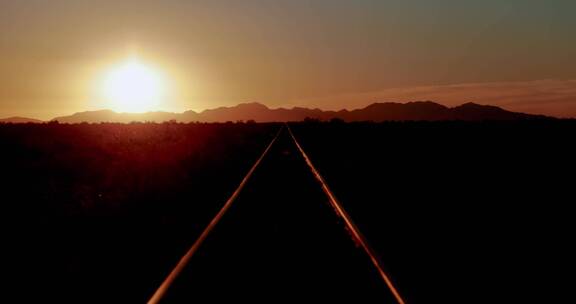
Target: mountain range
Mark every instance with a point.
(388, 111)
(17, 119)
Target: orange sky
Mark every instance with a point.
(325, 53)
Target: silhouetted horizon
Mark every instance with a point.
(259, 112)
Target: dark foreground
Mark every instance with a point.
(458, 212)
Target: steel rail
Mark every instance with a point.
(161, 291)
(357, 236)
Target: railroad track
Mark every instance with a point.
(282, 235)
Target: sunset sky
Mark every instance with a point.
(520, 54)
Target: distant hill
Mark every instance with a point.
(111, 116)
(388, 111)
(20, 120)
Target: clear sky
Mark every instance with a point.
(278, 52)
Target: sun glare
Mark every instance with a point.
(133, 87)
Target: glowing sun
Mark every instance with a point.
(133, 87)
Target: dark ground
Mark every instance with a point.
(459, 212)
(99, 213)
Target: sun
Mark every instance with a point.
(133, 86)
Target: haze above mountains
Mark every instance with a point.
(389, 111)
